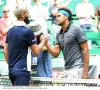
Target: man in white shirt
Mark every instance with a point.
(85, 12)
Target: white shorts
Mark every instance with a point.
(75, 73)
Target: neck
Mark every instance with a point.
(20, 20)
(65, 26)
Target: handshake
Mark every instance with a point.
(45, 38)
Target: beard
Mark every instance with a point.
(26, 20)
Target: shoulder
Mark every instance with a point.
(72, 26)
(76, 28)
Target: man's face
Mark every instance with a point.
(60, 18)
(6, 12)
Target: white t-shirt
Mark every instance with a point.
(85, 10)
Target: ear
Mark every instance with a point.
(66, 17)
(23, 15)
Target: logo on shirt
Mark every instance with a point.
(33, 40)
(83, 37)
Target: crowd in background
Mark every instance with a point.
(39, 13)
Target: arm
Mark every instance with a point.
(96, 18)
(6, 52)
(84, 47)
(36, 49)
(54, 51)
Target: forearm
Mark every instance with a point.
(41, 46)
(86, 61)
(96, 20)
(52, 50)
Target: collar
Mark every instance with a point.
(61, 31)
(20, 23)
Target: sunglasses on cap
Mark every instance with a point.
(5, 11)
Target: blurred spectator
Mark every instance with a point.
(39, 13)
(97, 17)
(54, 10)
(65, 3)
(43, 62)
(85, 12)
(6, 22)
(18, 2)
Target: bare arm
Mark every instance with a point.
(84, 47)
(6, 52)
(54, 51)
(96, 18)
(36, 49)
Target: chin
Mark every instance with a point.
(59, 24)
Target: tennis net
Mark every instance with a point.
(41, 81)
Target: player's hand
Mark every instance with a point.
(45, 37)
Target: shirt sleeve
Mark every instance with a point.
(31, 37)
(80, 35)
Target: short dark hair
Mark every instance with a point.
(68, 10)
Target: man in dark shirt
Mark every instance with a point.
(73, 43)
(19, 38)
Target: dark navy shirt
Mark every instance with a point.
(19, 38)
